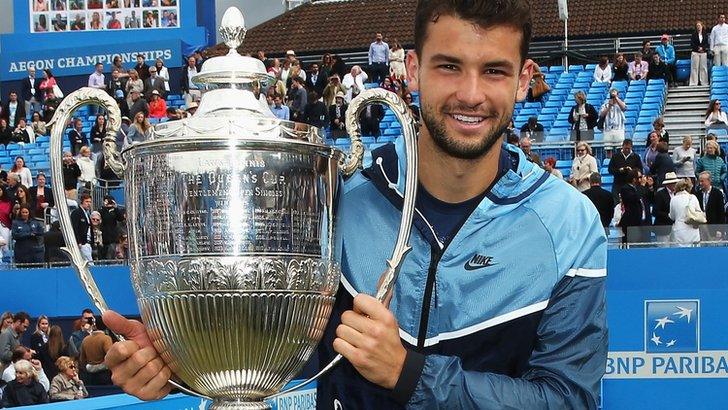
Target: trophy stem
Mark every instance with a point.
(226, 404)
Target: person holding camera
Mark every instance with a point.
(612, 118)
(111, 216)
(71, 173)
(86, 325)
(684, 158)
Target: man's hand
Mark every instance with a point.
(368, 337)
(135, 365)
(36, 364)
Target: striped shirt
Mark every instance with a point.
(615, 117)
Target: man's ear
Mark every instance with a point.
(524, 79)
(413, 66)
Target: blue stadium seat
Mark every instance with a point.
(576, 68)
(556, 69)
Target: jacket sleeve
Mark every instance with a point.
(569, 357)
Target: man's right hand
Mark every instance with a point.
(135, 365)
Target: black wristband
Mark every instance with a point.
(411, 370)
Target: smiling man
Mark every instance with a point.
(472, 322)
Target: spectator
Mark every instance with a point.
(532, 128)
(66, 385)
(154, 83)
(315, 111)
(379, 59)
(141, 67)
(715, 117)
(53, 241)
(414, 109)
(49, 86)
(354, 82)
(538, 87)
(77, 137)
(658, 70)
(111, 217)
(337, 116)
(712, 137)
(583, 117)
(157, 106)
(19, 168)
(98, 132)
(39, 340)
(13, 110)
(23, 353)
(549, 164)
(190, 91)
(117, 85)
(25, 389)
(684, 234)
(162, 73)
(387, 85)
(280, 110)
(13, 183)
(71, 173)
(658, 125)
(86, 325)
(93, 351)
(634, 206)
(601, 198)
(22, 198)
(133, 83)
(81, 223)
(647, 51)
(31, 92)
(684, 158)
(711, 200)
(6, 208)
(28, 236)
(285, 72)
(661, 207)
(370, 118)
(22, 134)
(96, 79)
(338, 66)
(638, 68)
(712, 163)
(612, 116)
(603, 71)
(525, 145)
(316, 81)
(298, 99)
(38, 125)
(296, 71)
(6, 320)
(719, 42)
(57, 347)
(139, 104)
(49, 106)
(667, 55)
(620, 69)
(10, 337)
(327, 64)
(88, 169)
(583, 166)
(6, 133)
(116, 65)
(122, 247)
(139, 130)
(700, 44)
(620, 164)
(663, 163)
(396, 61)
(333, 88)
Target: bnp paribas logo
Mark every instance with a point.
(671, 334)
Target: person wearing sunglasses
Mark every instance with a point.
(67, 385)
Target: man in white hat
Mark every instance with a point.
(661, 208)
(192, 108)
(337, 116)
(290, 55)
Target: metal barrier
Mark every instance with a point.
(102, 188)
(664, 236)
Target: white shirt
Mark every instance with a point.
(349, 82)
(719, 35)
(684, 169)
(191, 72)
(25, 177)
(12, 109)
(713, 117)
(603, 75)
(9, 375)
(88, 169)
(97, 80)
(164, 73)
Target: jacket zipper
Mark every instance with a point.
(427, 298)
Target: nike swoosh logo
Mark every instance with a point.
(470, 266)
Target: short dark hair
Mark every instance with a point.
(627, 141)
(21, 317)
(595, 178)
(87, 310)
(84, 196)
(484, 13)
(662, 147)
(18, 353)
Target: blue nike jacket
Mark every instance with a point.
(510, 314)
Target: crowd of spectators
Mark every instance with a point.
(51, 368)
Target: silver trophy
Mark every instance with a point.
(231, 219)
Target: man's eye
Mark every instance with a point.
(448, 67)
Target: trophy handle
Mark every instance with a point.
(351, 163)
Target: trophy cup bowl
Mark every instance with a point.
(231, 217)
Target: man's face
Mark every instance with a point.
(134, 95)
(704, 182)
(21, 327)
(277, 102)
(637, 59)
(664, 41)
(721, 19)
(140, 59)
(153, 73)
(314, 68)
(378, 37)
(191, 62)
(656, 58)
(469, 77)
(27, 355)
(526, 146)
(31, 72)
(626, 149)
(115, 74)
(86, 204)
(13, 97)
(99, 68)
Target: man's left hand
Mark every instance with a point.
(368, 337)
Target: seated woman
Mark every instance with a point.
(25, 389)
(66, 385)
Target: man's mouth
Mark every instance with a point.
(467, 119)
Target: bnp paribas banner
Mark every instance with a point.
(81, 60)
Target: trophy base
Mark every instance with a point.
(224, 404)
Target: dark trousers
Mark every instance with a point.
(379, 72)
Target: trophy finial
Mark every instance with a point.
(232, 28)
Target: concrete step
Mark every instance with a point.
(681, 115)
(680, 107)
(705, 93)
(688, 100)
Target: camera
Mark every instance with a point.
(90, 320)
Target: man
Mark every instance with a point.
(499, 330)
(633, 205)
(583, 118)
(532, 128)
(190, 90)
(315, 81)
(601, 198)
(379, 59)
(13, 184)
(661, 208)
(93, 349)
(712, 202)
(315, 111)
(10, 337)
(117, 85)
(719, 42)
(98, 81)
(666, 52)
(658, 69)
(23, 353)
(370, 117)
(297, 99)
(333, 88)
(612, 117)
(637, 69)
(141, 67)
(337, 116)
(620, 164)
(525, 144)
(85, 326)
(77, 137)
(31, 93)
(154, 83)
(81, 223)
(354, 82)
(13, 110)
(279, 109)
(111, 217)
(138, 104)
